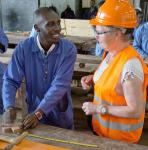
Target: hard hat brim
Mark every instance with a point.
(116, 13)
(93, 22)
(96, 21)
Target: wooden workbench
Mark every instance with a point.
(74, 136)
(15, 38)
(91, 63)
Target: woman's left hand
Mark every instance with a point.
(89, 108)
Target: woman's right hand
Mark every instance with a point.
(87, 81)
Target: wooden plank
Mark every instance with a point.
(78, 137)
(63, 134)
(91, 62)
(89, 68)
(8, 53)
(70, 27)
(81, 58)
(75, 27)
(5, 60)
(29, 145)
(88, 59)
(85, 3)
(78, 72)
(79, 41)
(15, 38)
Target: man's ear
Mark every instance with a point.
(36, 28)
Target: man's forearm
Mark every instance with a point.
(52, 97)
(8, 94)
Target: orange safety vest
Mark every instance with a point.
(117, 128)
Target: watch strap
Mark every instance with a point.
(38, 115)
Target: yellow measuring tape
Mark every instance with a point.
(63, 141)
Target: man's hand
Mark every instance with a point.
(30, 121)
(87, 81)
(9, 116)
(2, 47)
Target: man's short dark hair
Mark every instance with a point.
(42, 11)
(53, 8)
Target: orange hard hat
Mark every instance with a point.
(119, 13)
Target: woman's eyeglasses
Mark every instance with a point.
(100, 33)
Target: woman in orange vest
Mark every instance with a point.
(118, 107)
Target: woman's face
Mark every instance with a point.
(105, 36)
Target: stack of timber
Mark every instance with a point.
(77, 31)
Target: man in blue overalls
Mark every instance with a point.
(46, 61)
(3, 48)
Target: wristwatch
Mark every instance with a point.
(102, 109)
(39, 115)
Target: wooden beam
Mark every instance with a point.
(75, 27)
(88, 59)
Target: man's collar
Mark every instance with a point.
(36, 48)
(41, 48)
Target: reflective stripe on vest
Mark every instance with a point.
(118, 126)
(115, 125)
(101, 101)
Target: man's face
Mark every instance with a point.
(50, 28)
